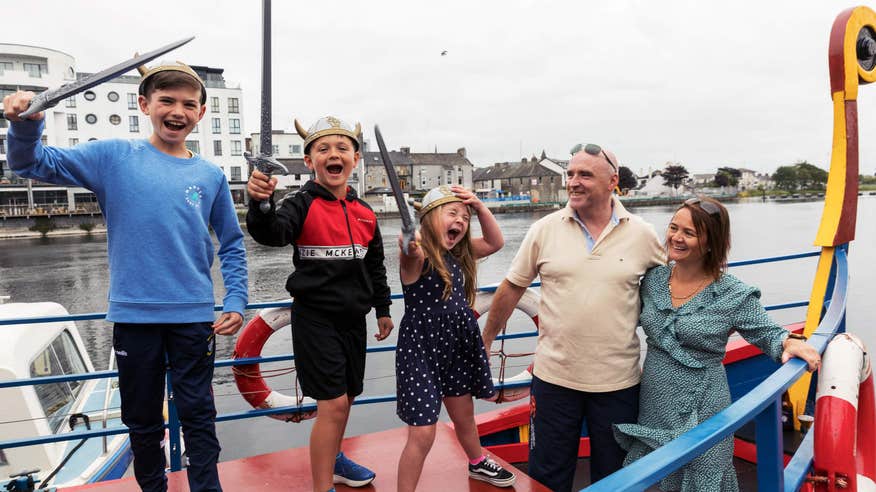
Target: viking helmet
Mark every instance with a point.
(434, 199)
(179, 66)
(328, 125)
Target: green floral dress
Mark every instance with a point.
(683, 379)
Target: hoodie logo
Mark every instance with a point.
(194, 195)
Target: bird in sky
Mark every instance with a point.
(443, 52)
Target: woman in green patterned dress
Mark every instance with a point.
(689, 309)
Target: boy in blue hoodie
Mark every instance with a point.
(159, 201)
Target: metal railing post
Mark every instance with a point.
(768, 436)
(173, 427)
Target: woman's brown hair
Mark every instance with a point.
(433, 249)
(711, 219)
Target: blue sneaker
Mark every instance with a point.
(351, 473)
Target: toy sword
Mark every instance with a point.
(408, 228)
(52, 97)
(263, 160)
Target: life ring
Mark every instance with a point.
(249, 378)
(845, 418)
(528, 304)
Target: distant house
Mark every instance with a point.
(418, 172)
(701, 180)
(751, 179)
(543, 180)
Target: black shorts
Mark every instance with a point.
(329, 354)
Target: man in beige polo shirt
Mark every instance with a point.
(590, 257)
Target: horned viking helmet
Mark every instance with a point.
(328, 125)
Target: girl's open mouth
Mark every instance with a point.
(334, 168)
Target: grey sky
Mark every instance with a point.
(738, 83)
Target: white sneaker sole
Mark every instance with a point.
(351, 483)
(498, 483)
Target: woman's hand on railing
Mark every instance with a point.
(795, 347)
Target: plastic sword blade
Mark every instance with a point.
(263, 160)
(52, 97)
(408, 228)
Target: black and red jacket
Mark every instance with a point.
(338, 257)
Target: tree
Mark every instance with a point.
(809, 176)
(727, 176)
(785, 178)
(674, 176)
(626, 180)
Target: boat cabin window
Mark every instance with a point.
(60, 358)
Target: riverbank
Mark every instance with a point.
(20, 233)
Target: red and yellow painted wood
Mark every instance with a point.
(841, 198)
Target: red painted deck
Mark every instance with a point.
(289, 470)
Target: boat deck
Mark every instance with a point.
(289, 470)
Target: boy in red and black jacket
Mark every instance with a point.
(339, 276)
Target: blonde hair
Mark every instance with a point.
(433, 249)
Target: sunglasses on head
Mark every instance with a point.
(593, 149)
(709, 207)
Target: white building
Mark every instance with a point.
(110, 110)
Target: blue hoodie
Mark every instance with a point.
(159, 210)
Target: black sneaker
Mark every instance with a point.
(491, 472)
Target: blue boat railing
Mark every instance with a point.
(762, 404)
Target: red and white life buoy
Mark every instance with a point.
(845, 418)
(249, 378)
(528, 304)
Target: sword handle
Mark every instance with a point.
(40, 102)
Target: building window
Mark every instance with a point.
(89, 95)
(275, 150)
(113, 96)
(234, 126)
(2, 145)
(134, 124)
(73, 141)
(90, 118)
(132, 100)
(3, 122)
(5, 92)
(115, 119)
(449, 177)
(235, 173)
(296, 149)
(233, 105)
(236, 147)
(214, 104)
(194, 146)
(217, 124)
(35, 69)
(70, 102)
(71, 122)
(5, 66)
(459, 179)
(217, 147)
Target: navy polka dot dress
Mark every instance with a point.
(440, 351)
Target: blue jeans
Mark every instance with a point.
(144, 353)
(555, 420)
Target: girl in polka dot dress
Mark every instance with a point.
(440, 355)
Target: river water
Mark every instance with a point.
(73, 272)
